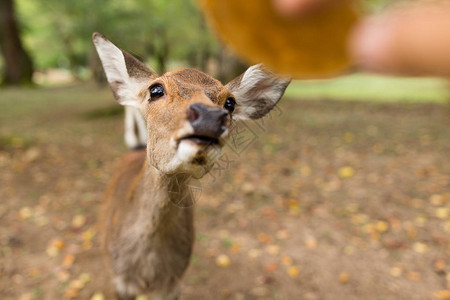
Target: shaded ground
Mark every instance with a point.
(322, 200)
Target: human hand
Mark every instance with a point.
(410, 39)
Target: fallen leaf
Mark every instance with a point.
(41, 220)
(349, 137)
(437, 200)
(411, 231)
(247, 188)
(420, 247)
(76, 284)
(421, 220)
(359, 219)
(87, 245)
(311, 242)
(396, 272)
(446, 226)
(25, 213)
(294, 207)
(293, 271)
(271, 267)
(414, 276)
(235, 248)
(71, 293)
(33, 272)
(442, 212)
(223, 261)
(68, 260)
(378, 148)
(346, 172)
(382, 226)
(264, 238)
(98, 296)
(286, 260)
(84, 278)
(305, 171)
(282, 234)
(439, 265)
(55, 246)
(78, 221)
(254, 253)
(270, 213)
(442, 294)
(344, 277)
(62, 276)
(273, 249)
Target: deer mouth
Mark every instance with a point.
(198, 150)
(200, 140)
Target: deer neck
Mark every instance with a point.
(160, 199)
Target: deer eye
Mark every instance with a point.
(229, 104)
(156, 91)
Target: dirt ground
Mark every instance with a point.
(321, 200)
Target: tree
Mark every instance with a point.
(18, 66)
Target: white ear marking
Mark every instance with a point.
(112, 59)
(126, 75)
(257, 91)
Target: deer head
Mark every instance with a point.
(188, 113)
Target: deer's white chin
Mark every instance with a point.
(194, 158)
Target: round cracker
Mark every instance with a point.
(312, 46)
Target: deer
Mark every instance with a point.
(176, 124)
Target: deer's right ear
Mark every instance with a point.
(126, 75)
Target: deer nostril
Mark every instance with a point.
(192, 114)
(207, 121)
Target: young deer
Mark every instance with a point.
(187, 116)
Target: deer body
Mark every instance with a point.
(186, 116)
(148, 237)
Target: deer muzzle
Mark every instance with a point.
(208, 123)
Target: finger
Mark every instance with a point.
(296, 8)
(409, 41)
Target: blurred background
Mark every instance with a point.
(343, 192)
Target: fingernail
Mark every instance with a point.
(292, 8)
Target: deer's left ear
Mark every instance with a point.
(126, 75)
(257, 91)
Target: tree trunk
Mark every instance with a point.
(162, 55)
(18, 65)
(230, 65)
(204, 51)
(96, 68)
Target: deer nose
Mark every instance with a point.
(207, 121)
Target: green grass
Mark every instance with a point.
(367, 87)
(18, 102)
